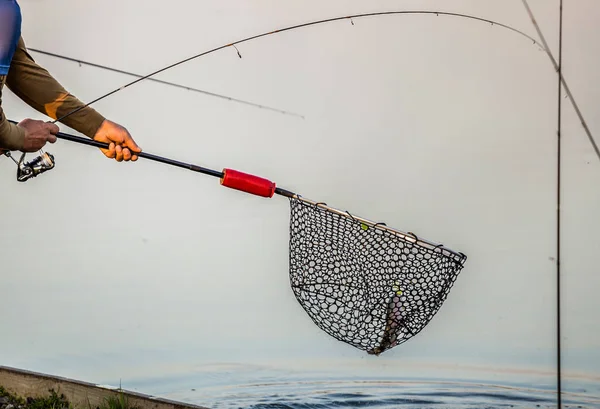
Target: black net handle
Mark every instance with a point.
(229, 177)
(263, 187)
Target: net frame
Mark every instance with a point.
(380, 286)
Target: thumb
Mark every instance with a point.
(130, 143)
(52, 128)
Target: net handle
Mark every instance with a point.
(265, 188)
(228, 177)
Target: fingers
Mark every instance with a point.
(110, 152)
(130, 143)
(37, 134)
(119, 153)
(126, 154)
(52, 128)
(123, 147)
(130, 147)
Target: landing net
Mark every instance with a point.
(363, 283)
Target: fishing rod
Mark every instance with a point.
(294, 27)
(350, 17)
(365, 284)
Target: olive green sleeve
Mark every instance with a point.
(11, 136)
(36, 87)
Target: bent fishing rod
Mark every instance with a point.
(295, 27)
(351, 17)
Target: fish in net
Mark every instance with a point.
(363, 283)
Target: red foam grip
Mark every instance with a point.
(248, 183)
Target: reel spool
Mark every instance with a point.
(27, 170)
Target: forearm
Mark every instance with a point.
(36, 87)
(11, 136)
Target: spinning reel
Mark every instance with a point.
(27, 170)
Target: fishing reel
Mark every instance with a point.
(27, 170)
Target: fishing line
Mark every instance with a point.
(164, 82)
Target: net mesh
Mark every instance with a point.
(363, 284)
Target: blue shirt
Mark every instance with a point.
(10, 32)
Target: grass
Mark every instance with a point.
(53, 401)
(56, 401)
(117, 402)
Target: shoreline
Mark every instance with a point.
(28, 385)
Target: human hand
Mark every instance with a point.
(122, 146)
(37, 133)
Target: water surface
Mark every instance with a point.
(254, 387)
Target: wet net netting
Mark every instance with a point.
(363, 283)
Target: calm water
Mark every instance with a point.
(248, 387)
